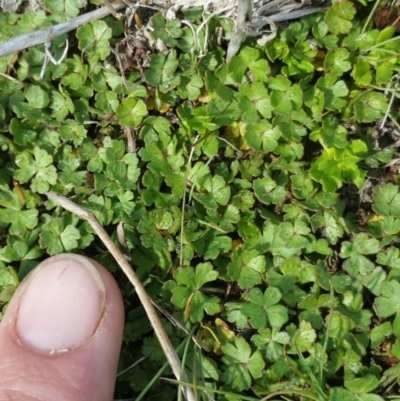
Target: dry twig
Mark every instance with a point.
(250, 18)
(47, 35)
(162, 336)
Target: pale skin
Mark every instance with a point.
(84, 373)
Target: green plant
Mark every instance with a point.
(248, 191)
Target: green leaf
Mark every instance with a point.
(247, 267)
(68, 7)
(157, 159)
(249, 57)
(285, 97)
(214, 85)
(337, 165)
(341, 394)
(339, 17)
(305, 336)
(76, 75)
(388, 303)
(331, 223)
(289, 239)
(210, 146)
(362, 385)
(384, 72)
(272, 342)
(389, 258)
(214, 191)
(211, 244)
(370, 106)
(131, 112)
(94, 39)
(152, 349)
(101, 208)
(58, 236)
(62, 105)
(380, 333)
(390, 225)
(70, 237)
(362, 73)
(262, 136)
(267, 191)
(335, 91)
(166, 220)
(162, 71)
(373, 281)
(362, 244)
(72, 131)
(12, 213)
(107, 101)
(203, 274)
(8, 276)
(153, 127)
(36, 96)
(167, 31)
(263, 307)
(224, 113)
(190, 88)
(337, 61)
(187, 295)
(240, 364)
(201, 302)
(39, 169)
(196, 120)
(252, 99)
(387, 200)
(332, 134)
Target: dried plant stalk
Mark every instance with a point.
(277, 11)
(162, 336)
(27, 40)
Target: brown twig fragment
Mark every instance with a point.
(162, 336)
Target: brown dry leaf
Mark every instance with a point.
(386, 17)
(133, 54)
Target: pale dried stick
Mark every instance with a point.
(46, 35)
(244, 11)
(162, 336)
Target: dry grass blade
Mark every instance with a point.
(162, 336)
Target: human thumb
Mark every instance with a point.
(61, 334)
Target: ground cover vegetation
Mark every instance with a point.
(259, 199)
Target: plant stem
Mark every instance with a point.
(162, 336)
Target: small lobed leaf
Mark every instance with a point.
(94, 39)
(388, 303)
(131, 112)
(339, 17)
(241, 363)
(387, 200)
(370, 106)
